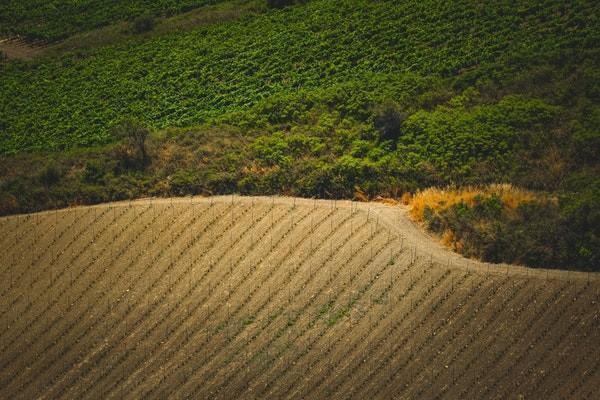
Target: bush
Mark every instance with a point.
(388, 121)
(94, 172)
(283, 3)
(132, 153)
(537, 233)
(50, 175)
(143, 24)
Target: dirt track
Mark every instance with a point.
(234, 297)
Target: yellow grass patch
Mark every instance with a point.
(386, 200)
(440, 199)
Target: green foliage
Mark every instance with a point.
(388, 121)
(52, 20)
(563, 234)
(473, 145)
(320, 49)
(94, 172)
(50, 175)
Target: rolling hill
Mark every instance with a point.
(257, 297)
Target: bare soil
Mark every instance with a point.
(239, 297)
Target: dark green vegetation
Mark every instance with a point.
(51, 20)
(559, 233)
(328, 99)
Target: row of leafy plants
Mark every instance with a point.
(193, 77)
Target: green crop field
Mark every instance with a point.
(189, 78)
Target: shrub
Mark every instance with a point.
(143, 24)
(94, 172)
(388, 121)
(50, 175)
(283, 3)
(132, 153)
(516, 227)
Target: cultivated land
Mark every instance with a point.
(240, 297)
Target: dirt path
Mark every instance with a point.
(396, 219)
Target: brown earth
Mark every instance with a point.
(240, 297)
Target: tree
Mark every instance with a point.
(143, 24)
(133, 135)
(388, 121)
(283, 3)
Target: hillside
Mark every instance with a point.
(187, 78)
(241, 297)
(52, 20)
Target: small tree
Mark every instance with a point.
(283, 3)
(388, 121)
(143, 24)
(133, 135)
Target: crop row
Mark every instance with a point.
(395, 348)
(469, 381)
(54, 260)
(215, 70)
(373, 278)
(455, 343)
(497, 307)
(377, 345)
(52, 284)
(550, 383)
(465, 344)
(13, 235)
(548, 328)
(76, 319)
(569, 332)
(69, 289)
(180, 279)
(53, 20)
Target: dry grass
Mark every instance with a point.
(440, 199)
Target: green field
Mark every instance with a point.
(189, 78)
